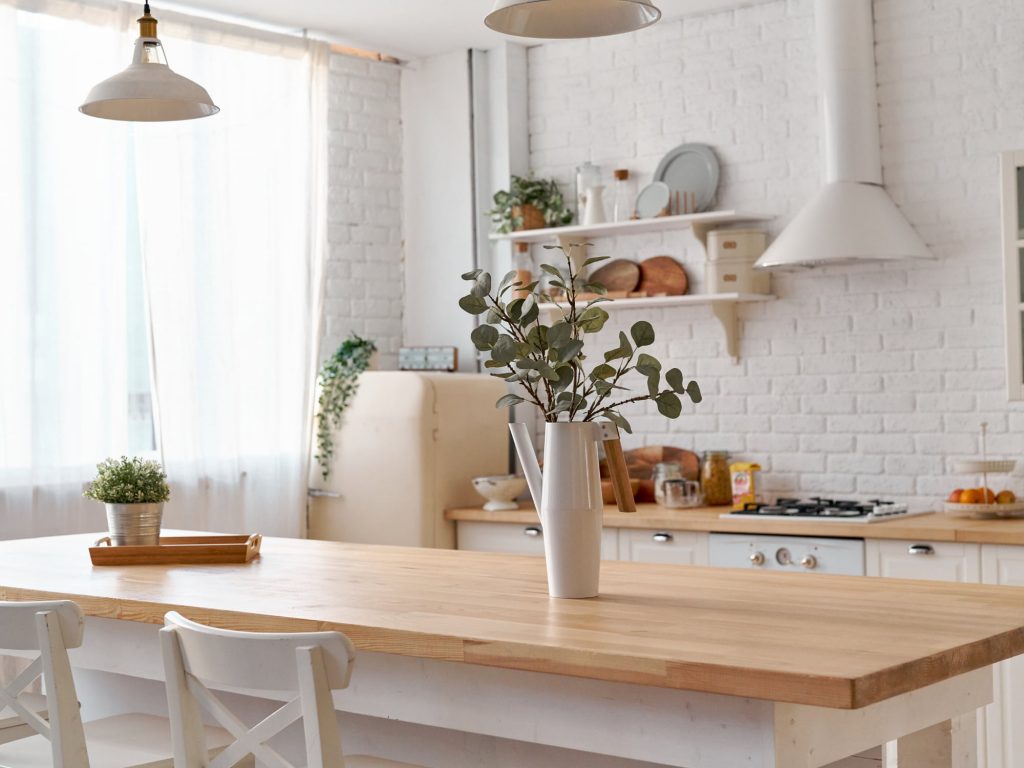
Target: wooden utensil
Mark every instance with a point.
(617, 275)
(663, 276)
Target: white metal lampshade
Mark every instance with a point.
(148, 91)
(556, 19)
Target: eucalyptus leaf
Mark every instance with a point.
(693, 390)
(473, 304)
(569, 350)
(595, 288)
(565, 378)
(647, 365)
(553, 271)
(559, 332)
(473, 274)
(642, 333)
(482, 286)
(653, 383)
(595, 260)
(602, 371)
(504, 350)
(509, 400)
(592, 319)
(669, 404)
(619, 421)
(484, 336)
(674, 378)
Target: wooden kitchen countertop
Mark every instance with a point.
(832, 641)
(931, 527)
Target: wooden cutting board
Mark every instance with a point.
(617, 275)
(663, 275)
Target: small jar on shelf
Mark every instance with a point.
(522, 264)
(715, 479)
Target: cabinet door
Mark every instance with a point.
(680, 547)
(930, 560)
(1004, 565)
(519, 539)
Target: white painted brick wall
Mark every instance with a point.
(861, 379)
(364, 262)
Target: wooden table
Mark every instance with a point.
(673, 665)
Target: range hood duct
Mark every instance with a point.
(851, 218)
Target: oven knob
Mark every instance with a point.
(757, 558)
(809, 562)
(782, 556)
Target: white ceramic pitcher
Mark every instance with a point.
(568, 498)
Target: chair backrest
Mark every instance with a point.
(308, 665)
(50, 627)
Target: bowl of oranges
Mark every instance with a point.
(983, 503)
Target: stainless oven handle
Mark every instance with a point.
(920, 549)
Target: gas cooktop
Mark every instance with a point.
(817, 508)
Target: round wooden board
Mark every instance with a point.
(640, 463)
(663, 275)
(617, 275)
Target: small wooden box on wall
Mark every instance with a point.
(428, 359)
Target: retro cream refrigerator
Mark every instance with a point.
(409, 445)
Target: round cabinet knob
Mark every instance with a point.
(757, 558)
(783, 557)
(531, 530)
(809, 562)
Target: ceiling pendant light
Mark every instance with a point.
(570, 18)
(148, 91)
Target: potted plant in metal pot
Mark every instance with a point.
(134, 491)
(529, 204)
(579, 393)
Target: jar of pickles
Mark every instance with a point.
(714, 478)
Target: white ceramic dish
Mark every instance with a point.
(499, 490)
(652, 200)
(691, 168)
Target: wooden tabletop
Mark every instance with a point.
(833, 641)
(930, 527)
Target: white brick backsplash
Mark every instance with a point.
(364, 266)
(882, 370)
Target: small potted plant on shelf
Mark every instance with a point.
(134, 491)
(580, 399)
(529, 204)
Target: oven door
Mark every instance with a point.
(807, 554)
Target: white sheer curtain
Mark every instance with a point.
(233, 251)
(65, 246)
(227, 215)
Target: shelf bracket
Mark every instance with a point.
(725, 311)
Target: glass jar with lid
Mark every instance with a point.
(714, 478)
(666, 470)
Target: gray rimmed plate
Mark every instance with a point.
(691, 168)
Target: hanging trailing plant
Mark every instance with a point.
(339, 381)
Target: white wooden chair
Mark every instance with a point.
(123, 741)
(307, 664)
(11, 725)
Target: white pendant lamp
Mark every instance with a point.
(148, 91)
(558, 19)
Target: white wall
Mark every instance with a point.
(438, 210)
(857, 380)
(364, 263)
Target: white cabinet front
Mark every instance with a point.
(517, 539)
(929, 560)
(1005, 566)
(678, 547)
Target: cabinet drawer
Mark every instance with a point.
(929, 560)
(517, 539)
(663, 546)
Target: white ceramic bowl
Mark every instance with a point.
(499, 490)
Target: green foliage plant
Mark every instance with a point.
(339, 381)
(549, 362)
(543, 194)
(129, 481)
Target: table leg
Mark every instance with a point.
(949, 744)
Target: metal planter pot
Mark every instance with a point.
(135, 524)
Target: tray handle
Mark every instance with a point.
(105, 540)
(252, 545)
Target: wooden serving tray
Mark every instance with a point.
(186, 550)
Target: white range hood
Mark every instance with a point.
(851, 218)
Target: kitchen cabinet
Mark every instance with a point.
(1005, 717)
(517, 539)
(929, 560)
(678, 547)
(1013, 267)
